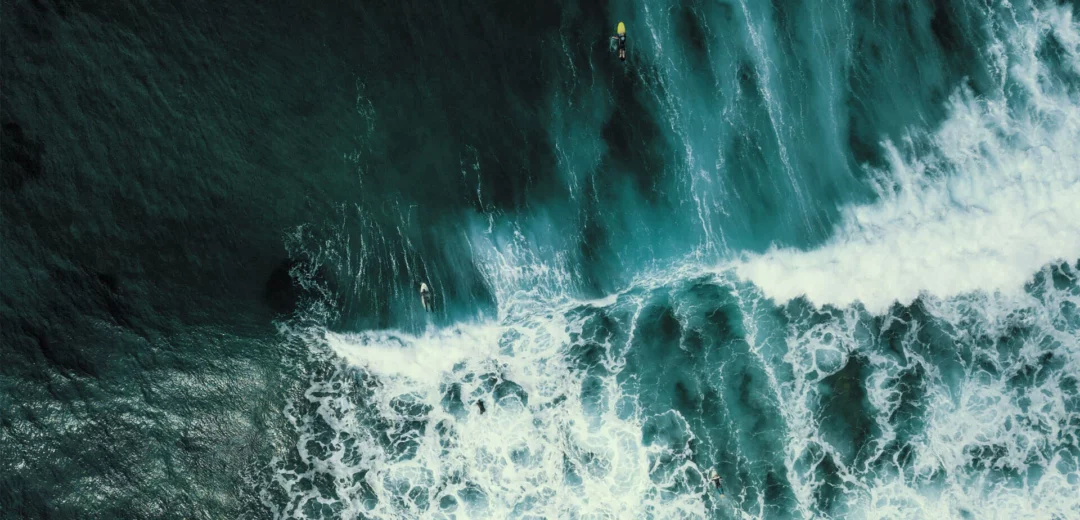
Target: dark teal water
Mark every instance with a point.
(828, 249)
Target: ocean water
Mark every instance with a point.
(829, 249)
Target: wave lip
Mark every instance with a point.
(996, 199)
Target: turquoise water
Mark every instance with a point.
(829, 250)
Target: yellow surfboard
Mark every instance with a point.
(622, 29)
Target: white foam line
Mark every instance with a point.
(997, 199)
(419, 358)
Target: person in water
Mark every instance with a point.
(425, 297)
(480, 405)
(715, 479)
(621, 39)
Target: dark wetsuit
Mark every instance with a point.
(622, 46)
(718, 482)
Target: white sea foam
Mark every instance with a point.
(997, 443)
(997, 201)
(997, 198)
(512, 461)
(420, 359)
(386, 430)
(994, 440)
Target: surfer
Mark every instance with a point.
(480, 405)
(620, 37)
(425, 297)
(715, 479)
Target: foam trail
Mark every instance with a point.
(393, 430)
(391, 427)
(383, 352)
(996, 443)
(537, 450)
(962, 405)
(993, 202)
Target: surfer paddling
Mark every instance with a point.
(620, 38)
(715, 479)
(425, 297)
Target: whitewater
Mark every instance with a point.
(921, 361)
